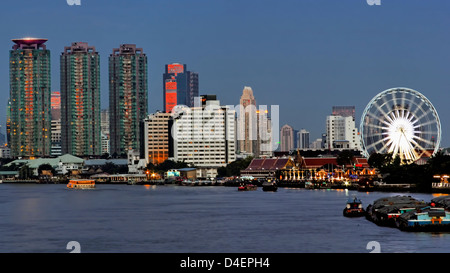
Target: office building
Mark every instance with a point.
(55, 149)
(30, 104)
(303, 139)
(128, 98)
(344, 111)
(342, 133)
(180, 86)
(80, 100)
(156, 138)
(104, 125)
(204, 135)
(247, 123)
(286, 138)
(56, 105)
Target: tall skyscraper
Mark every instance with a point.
(286, 138)
(247, 121)
(128, 97)
(30, 85)
(180, 86)
(80, 100)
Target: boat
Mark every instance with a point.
(385, 211)
(425, 219)
(269, 185)
(131, 182)
(354, 208)
(81, 184)
(247, 187)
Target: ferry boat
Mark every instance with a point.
(354, 208)
(81, 184)
(247, 187)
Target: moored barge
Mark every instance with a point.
(385, 211)
(425, 219)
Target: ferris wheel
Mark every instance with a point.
(403, 122)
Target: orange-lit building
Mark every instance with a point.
(29, 108)
(156, 138)
(180, 86)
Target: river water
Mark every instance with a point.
(203, 219)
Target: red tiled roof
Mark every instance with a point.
(363, 161)
(267, 164)
(317, 162)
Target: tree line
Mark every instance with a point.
(393, 170)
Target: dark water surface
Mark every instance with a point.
(176, 219)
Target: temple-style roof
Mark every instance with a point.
(269, 164)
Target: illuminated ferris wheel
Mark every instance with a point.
(403, 122)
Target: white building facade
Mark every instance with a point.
(342, 133)
(204, 136)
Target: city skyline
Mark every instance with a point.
(331, 59)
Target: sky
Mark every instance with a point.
(304, 55)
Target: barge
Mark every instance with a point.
(385, 211)
(425, 219)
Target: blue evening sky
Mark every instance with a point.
(303, 55)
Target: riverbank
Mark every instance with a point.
(380, 187)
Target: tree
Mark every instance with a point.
(234, 168)
(379, 161)
(345, 158)
(25, 172)
(46, 167)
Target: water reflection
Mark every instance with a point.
(120, 218)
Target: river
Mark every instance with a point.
(203, 219)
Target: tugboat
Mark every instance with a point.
(354, 208)
(269, 185)
(247, 187)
